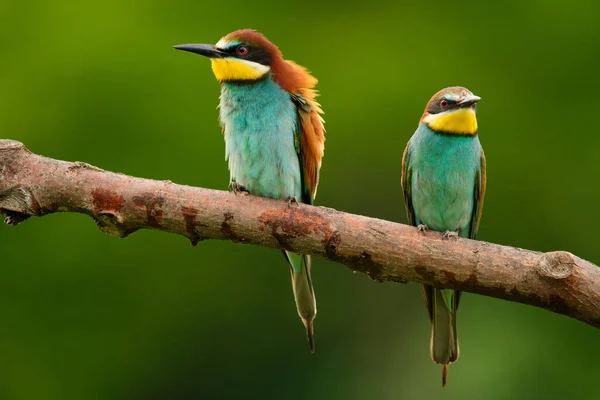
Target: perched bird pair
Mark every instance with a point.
(274, 139)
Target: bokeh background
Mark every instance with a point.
(84, 315)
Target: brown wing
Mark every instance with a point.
(311, 141)
(479, 194)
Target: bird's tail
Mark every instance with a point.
(442, 305)
(304, 294)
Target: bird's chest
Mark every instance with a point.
(259, 121)
(443, 180)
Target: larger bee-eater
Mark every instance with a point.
(443, 180)
(274, 136)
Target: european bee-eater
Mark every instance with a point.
(274, 135)
(443, 180)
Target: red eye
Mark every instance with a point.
(444, 103)
(242, 50)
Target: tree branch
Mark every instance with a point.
(558, 281)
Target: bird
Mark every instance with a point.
(443, 182)
(274, 134)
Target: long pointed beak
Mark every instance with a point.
(207, 50)
(469, 100)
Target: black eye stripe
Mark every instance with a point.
(435, 107)
(255, 54)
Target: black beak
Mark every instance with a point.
(207, 50)
(468, 101)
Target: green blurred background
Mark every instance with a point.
(88, 316)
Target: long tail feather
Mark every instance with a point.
(442, 305)
(304, 295)
(444, 374)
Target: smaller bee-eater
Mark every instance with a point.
(443, 180)
(274, 135)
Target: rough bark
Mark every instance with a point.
(32, 185)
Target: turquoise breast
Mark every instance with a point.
(443, 179)
(259, 120)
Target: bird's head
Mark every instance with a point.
(241, 56)
(452, 111)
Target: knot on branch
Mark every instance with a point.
(112, 224)
(18, 203)
(556, 264)
(107, 212)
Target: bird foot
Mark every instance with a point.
(236, 188)
(450, 235)
(422, 228)
(292, 200)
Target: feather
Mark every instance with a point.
(405, 182)
(479, 194)
(311, 137)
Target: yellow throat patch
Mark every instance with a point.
(460, 122)
(232, 69)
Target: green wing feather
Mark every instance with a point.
(405, 181)
(479, 194)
